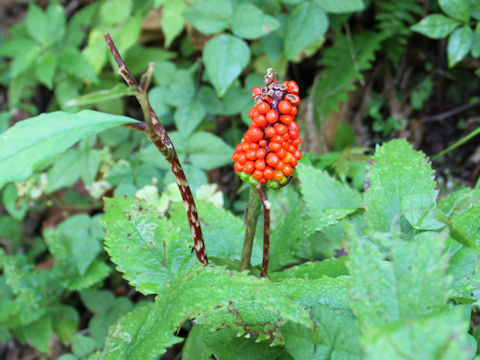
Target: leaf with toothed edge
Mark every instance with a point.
(146, 332)
(149, 250)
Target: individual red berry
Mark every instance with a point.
(235, 156)
(287, 159)
(291, 149)
(251, 154)
(260, 164)
(268, 173)
(277, 138)
(245, 146)
(297, 154)
(274, 146)
(238, 167)
(267, 99)
(278, 175)
(261, 153)
(270, 131)
(294, 99)
(272, 159)
(248, 167)
(294, 111)
(262, 143)
(281, 153)
(255, 134)
(253, 113)
(261, 121)
(288, 170)
(297, 141)
(293, 162)
(286, 119)
(263, 107)
(239, 147)
(284, 107)
(256, 91)
(242, 158)
(292, 87)
(272, 116)
(257, 174)
(280, 129)
(280, 166)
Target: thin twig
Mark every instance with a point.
(266, 229)
(158, 135)
(449, 113)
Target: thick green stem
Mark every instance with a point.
(253, 210)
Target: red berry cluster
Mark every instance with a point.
(269, 150)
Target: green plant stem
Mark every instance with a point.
(457, 144)
(253, 210)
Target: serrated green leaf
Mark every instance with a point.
(210, 17)
(397, 171)
(45, 69)
(188, 117)
(148, 250)
(225, 56)
(190, 294)
(459, 44)
(443, 334)
(33, 140)
(249, 22)
(335, 336)
(456, 9)
(208, 151)
(338, 7)
(172, 19)
(37, 23)
(387, 291)
(436, 26)
(320, 191)
(313, 270)
(306, 24)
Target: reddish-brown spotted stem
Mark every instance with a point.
(266, 230)
(158, 135)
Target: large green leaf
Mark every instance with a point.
(456, 9)
(148, 250)
(335, 336)
(435, 26)
(306, 24)
(210, 17)
(400, 188)
(344, 6)
(320, 191)
(188, 117)
(249, 22)
(208, 151)
(148, 330)
(459, 44)
(225, 56)
(27, 143)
